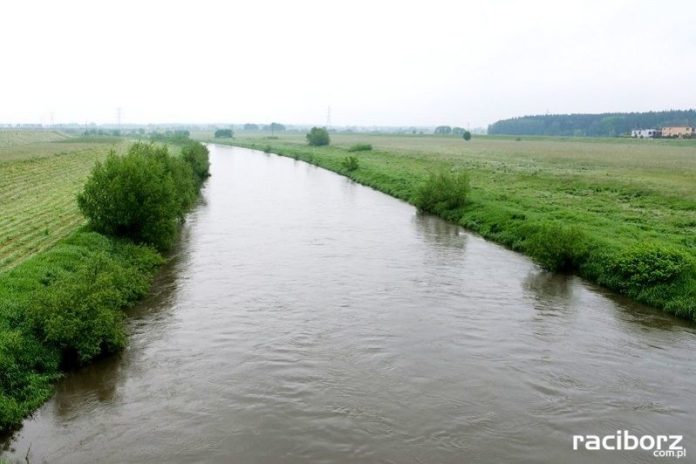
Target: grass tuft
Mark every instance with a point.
(350, 163)
(443, 193)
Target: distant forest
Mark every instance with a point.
(592, 125)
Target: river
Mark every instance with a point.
(306, 318)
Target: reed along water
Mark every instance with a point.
(305, 318)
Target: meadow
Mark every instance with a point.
(615, 196)
(13, 138)
(41, 173)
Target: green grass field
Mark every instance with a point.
(620, 193)
(41, 172)
(13, 138)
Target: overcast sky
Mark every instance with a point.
(374, 62)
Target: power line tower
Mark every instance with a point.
(328, 117)
(118, 117)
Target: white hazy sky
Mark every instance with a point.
(375, 62)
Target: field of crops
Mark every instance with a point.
(38, 183)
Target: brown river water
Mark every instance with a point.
(305, 318)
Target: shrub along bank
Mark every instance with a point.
(144, 194)
(653, 271)
(64, 308)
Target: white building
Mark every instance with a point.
(645, 133)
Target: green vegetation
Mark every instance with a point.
(318, 136)
(557, 247)
(13, 138)
(350, 163)
(196, 155)
(444, 193)
(360, 147)
(37, 193)
(466, 135)
(144, 194)
(224, 133)
(606, 124)
(101, 133)
(274, 127)
(64, 307)
(619, 212)
(171, 136)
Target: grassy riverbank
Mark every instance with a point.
(621, 213)
(63, 308)
(62, 301)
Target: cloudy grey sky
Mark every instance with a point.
(375, 62)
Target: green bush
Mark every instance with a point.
(557, 247)
(224, 133)
(648, 264)
(318, 136)
(443, 192)
(186, 182)
(63, 307)
(466, 135)
(360, 147)
(81, 315)
(197, 156)
(142, 195)
(350, 163)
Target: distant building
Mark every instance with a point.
(645, 133)
(678, 131)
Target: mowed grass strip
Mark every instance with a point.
(11, 138)
(37, 197)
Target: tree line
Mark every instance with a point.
(458, 131)
(592, 125)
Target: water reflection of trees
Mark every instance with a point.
(633, 313)
(550, 290)
(436, 231)
(552, 295)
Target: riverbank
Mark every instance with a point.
(63, 308)
(423, 342)
(622, 214)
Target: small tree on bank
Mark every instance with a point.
(144, 194)
(318, 136)
(224, 134)
(466, 135)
